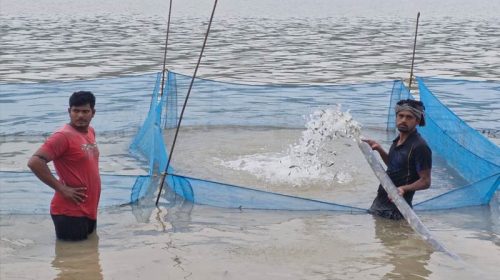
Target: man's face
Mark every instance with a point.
(406, 121)
(80, 116)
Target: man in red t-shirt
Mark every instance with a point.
(73, 150)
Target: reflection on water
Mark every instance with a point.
(173, 213)
(180, 216)
(78, 260)
(407, 255)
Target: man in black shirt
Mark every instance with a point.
(409, 160)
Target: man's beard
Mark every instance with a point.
(403, 128)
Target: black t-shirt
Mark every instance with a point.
(405, 161)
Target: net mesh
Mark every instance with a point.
(220, 104)
(466, 150)
(475, 157)
(30, 112)
(22, 193)
(235, 126)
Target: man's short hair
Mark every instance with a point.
(81, 98)
(416, 107)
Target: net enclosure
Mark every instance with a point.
(222, 119)
(280, 147)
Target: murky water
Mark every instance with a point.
(257, 41)
(297, 42)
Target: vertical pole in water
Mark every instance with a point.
(165, 53)
(413, 57)
(185, 104)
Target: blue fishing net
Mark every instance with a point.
(219, 103)
(23, 193)
(464, 148)
(127, 113)
(30, 112)
(39, 109)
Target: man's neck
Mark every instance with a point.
(80, 129)
(403, 136)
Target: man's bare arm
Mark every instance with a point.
(38, 165)
(421, 184)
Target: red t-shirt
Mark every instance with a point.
(76, 160)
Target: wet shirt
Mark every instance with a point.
(76, 160)
(405, 162)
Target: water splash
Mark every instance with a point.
(322, 153)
